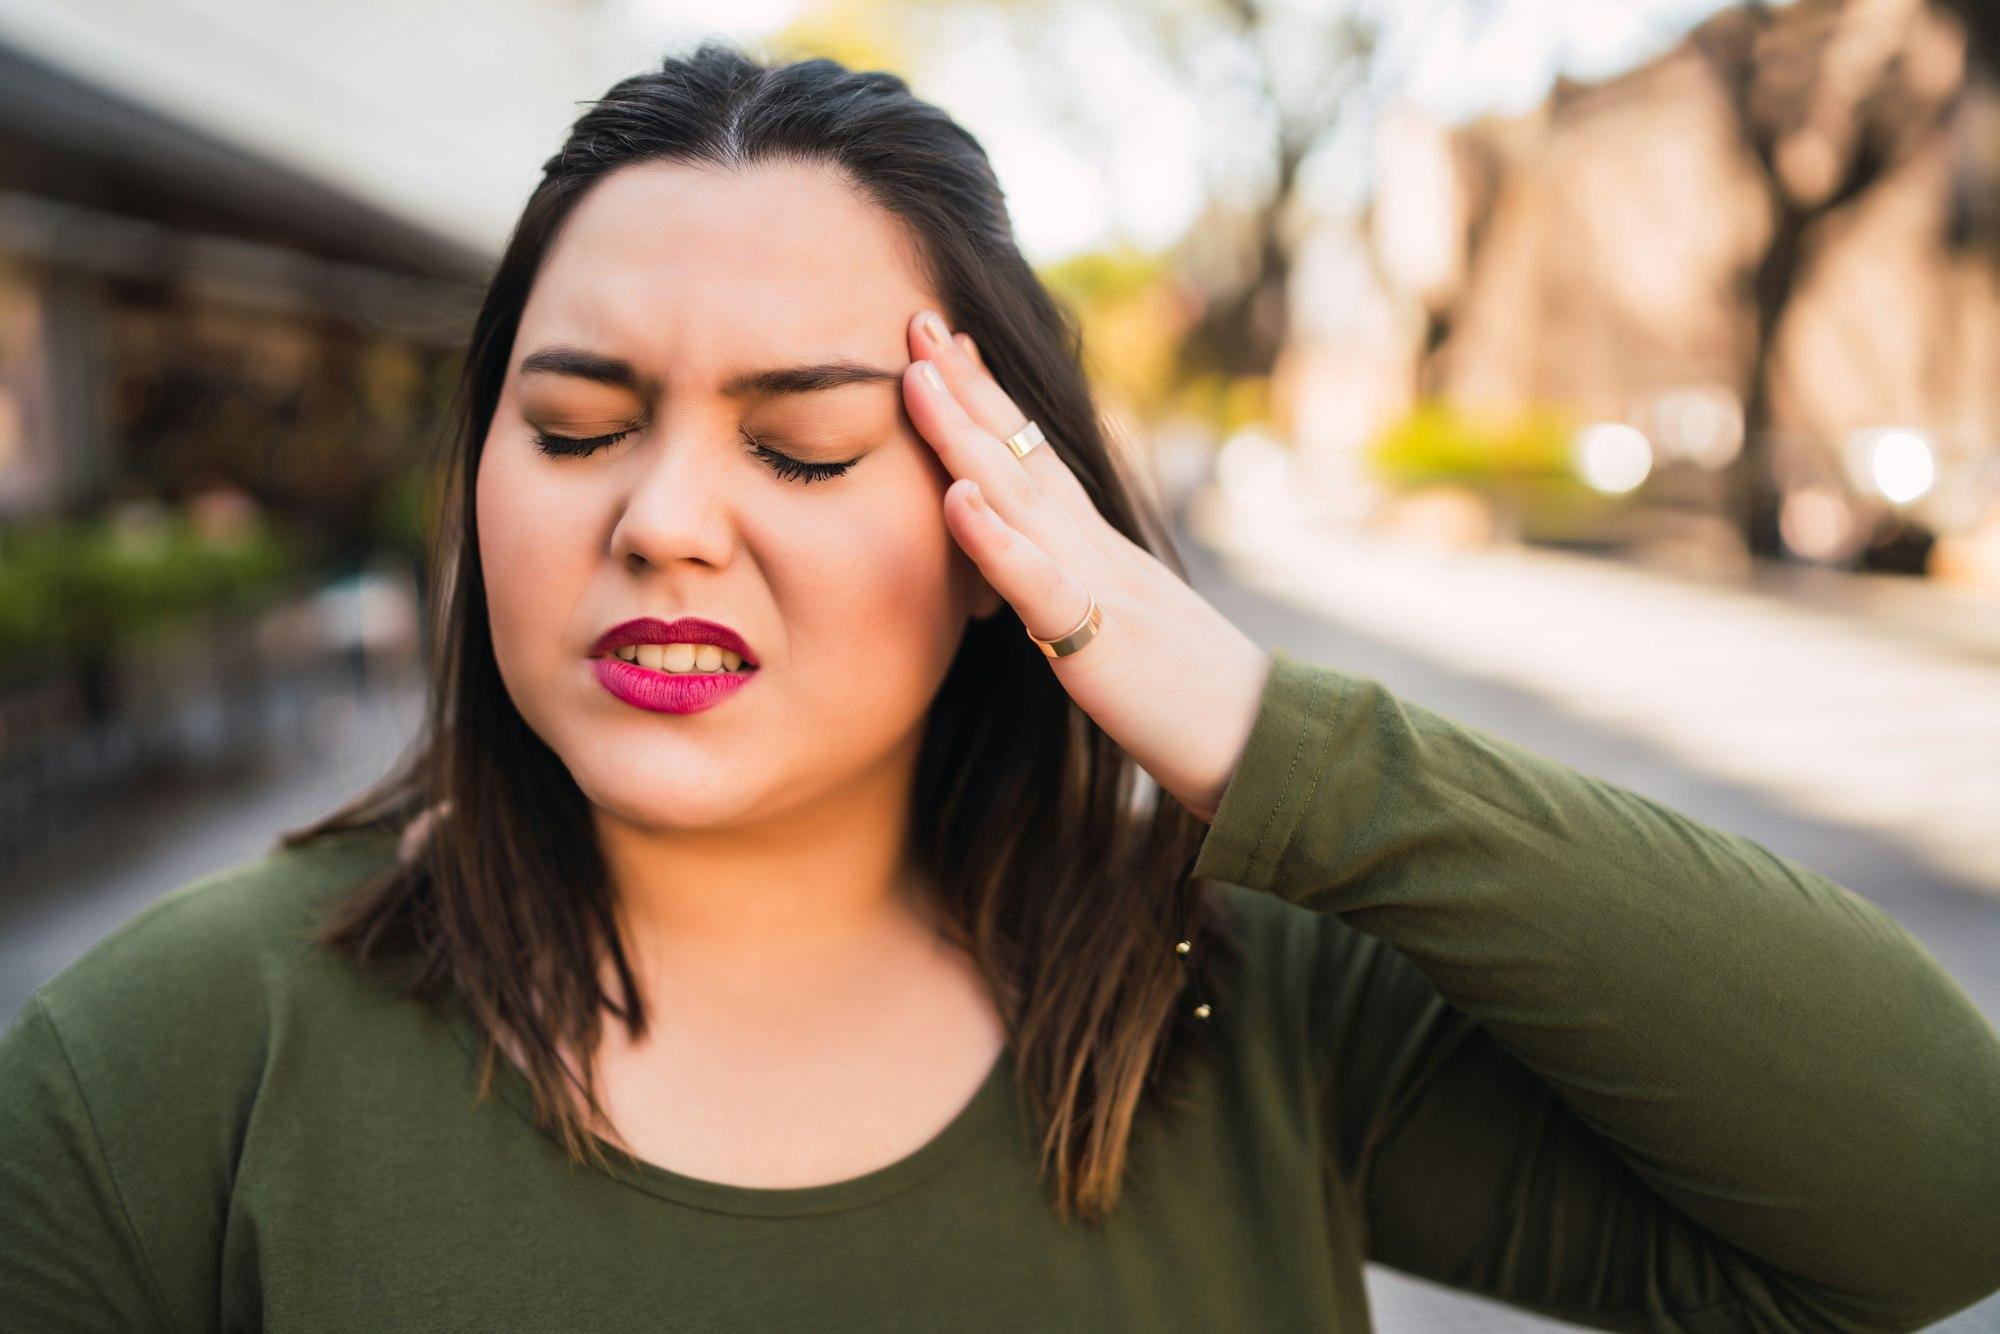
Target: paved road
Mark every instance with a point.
(1884, 718)
(1431, 630)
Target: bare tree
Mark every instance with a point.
(1273, 83)
(1830, 99)
(1240, 331)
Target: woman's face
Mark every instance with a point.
(848, 589)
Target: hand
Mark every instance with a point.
(1167, 677)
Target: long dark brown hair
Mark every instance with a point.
(1058, 864)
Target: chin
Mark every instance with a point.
(653, 796)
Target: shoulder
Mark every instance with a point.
(1319, 981)
(188, 984)
(1275, 938)
(127, 1082)
(1267, 965)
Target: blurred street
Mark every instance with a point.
(335, 742)
(1874, 710)
(1864, 744)
(1464, 635)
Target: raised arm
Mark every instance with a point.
(1589, 1056)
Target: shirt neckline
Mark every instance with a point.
(926, 1160)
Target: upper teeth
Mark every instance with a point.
(681, 657)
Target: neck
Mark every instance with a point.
(802, 898)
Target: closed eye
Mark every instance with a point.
(784, 465)
(565, 445)
(792, 469)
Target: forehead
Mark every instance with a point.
(707, 265)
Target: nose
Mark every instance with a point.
(675, 506)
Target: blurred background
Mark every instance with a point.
(1621, 378)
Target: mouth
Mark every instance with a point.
(688, 646)
(682, 659)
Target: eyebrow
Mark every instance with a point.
(600, 369)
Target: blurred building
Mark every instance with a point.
(175, 309)
(240, 249)
(242, 242)
(1781, 231)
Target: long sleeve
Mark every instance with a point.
(1593, 1058)
(69, 1259)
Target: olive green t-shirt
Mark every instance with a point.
(1497, 1023)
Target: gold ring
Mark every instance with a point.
(1025, 439)
(1065, 644)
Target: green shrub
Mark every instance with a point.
(1519, 461)
(70, 587)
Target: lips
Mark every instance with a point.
(684, 630)
(667, 692)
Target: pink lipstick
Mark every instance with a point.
(667, 692)
(663, 691)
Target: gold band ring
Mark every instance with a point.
(1025, 439)
(1065, 644)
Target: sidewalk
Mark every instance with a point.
(1959, 621)
(1870, 701)
(52, 911)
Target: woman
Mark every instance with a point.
(736, 739)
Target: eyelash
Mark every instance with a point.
(792, 469)
(785, 466)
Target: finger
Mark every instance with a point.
(1048, 598)
(968, 450)
(988, 404)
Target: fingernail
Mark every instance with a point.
(973, 498)
(933, 328)
(929, 371)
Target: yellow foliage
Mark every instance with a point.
(1440, 441)
(1131, 319)
(860, 34)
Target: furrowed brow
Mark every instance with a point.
(774, 382)
(808, 379)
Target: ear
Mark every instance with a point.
(981, 598)
(985, 599)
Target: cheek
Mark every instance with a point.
(872, 589)
(525, 545)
